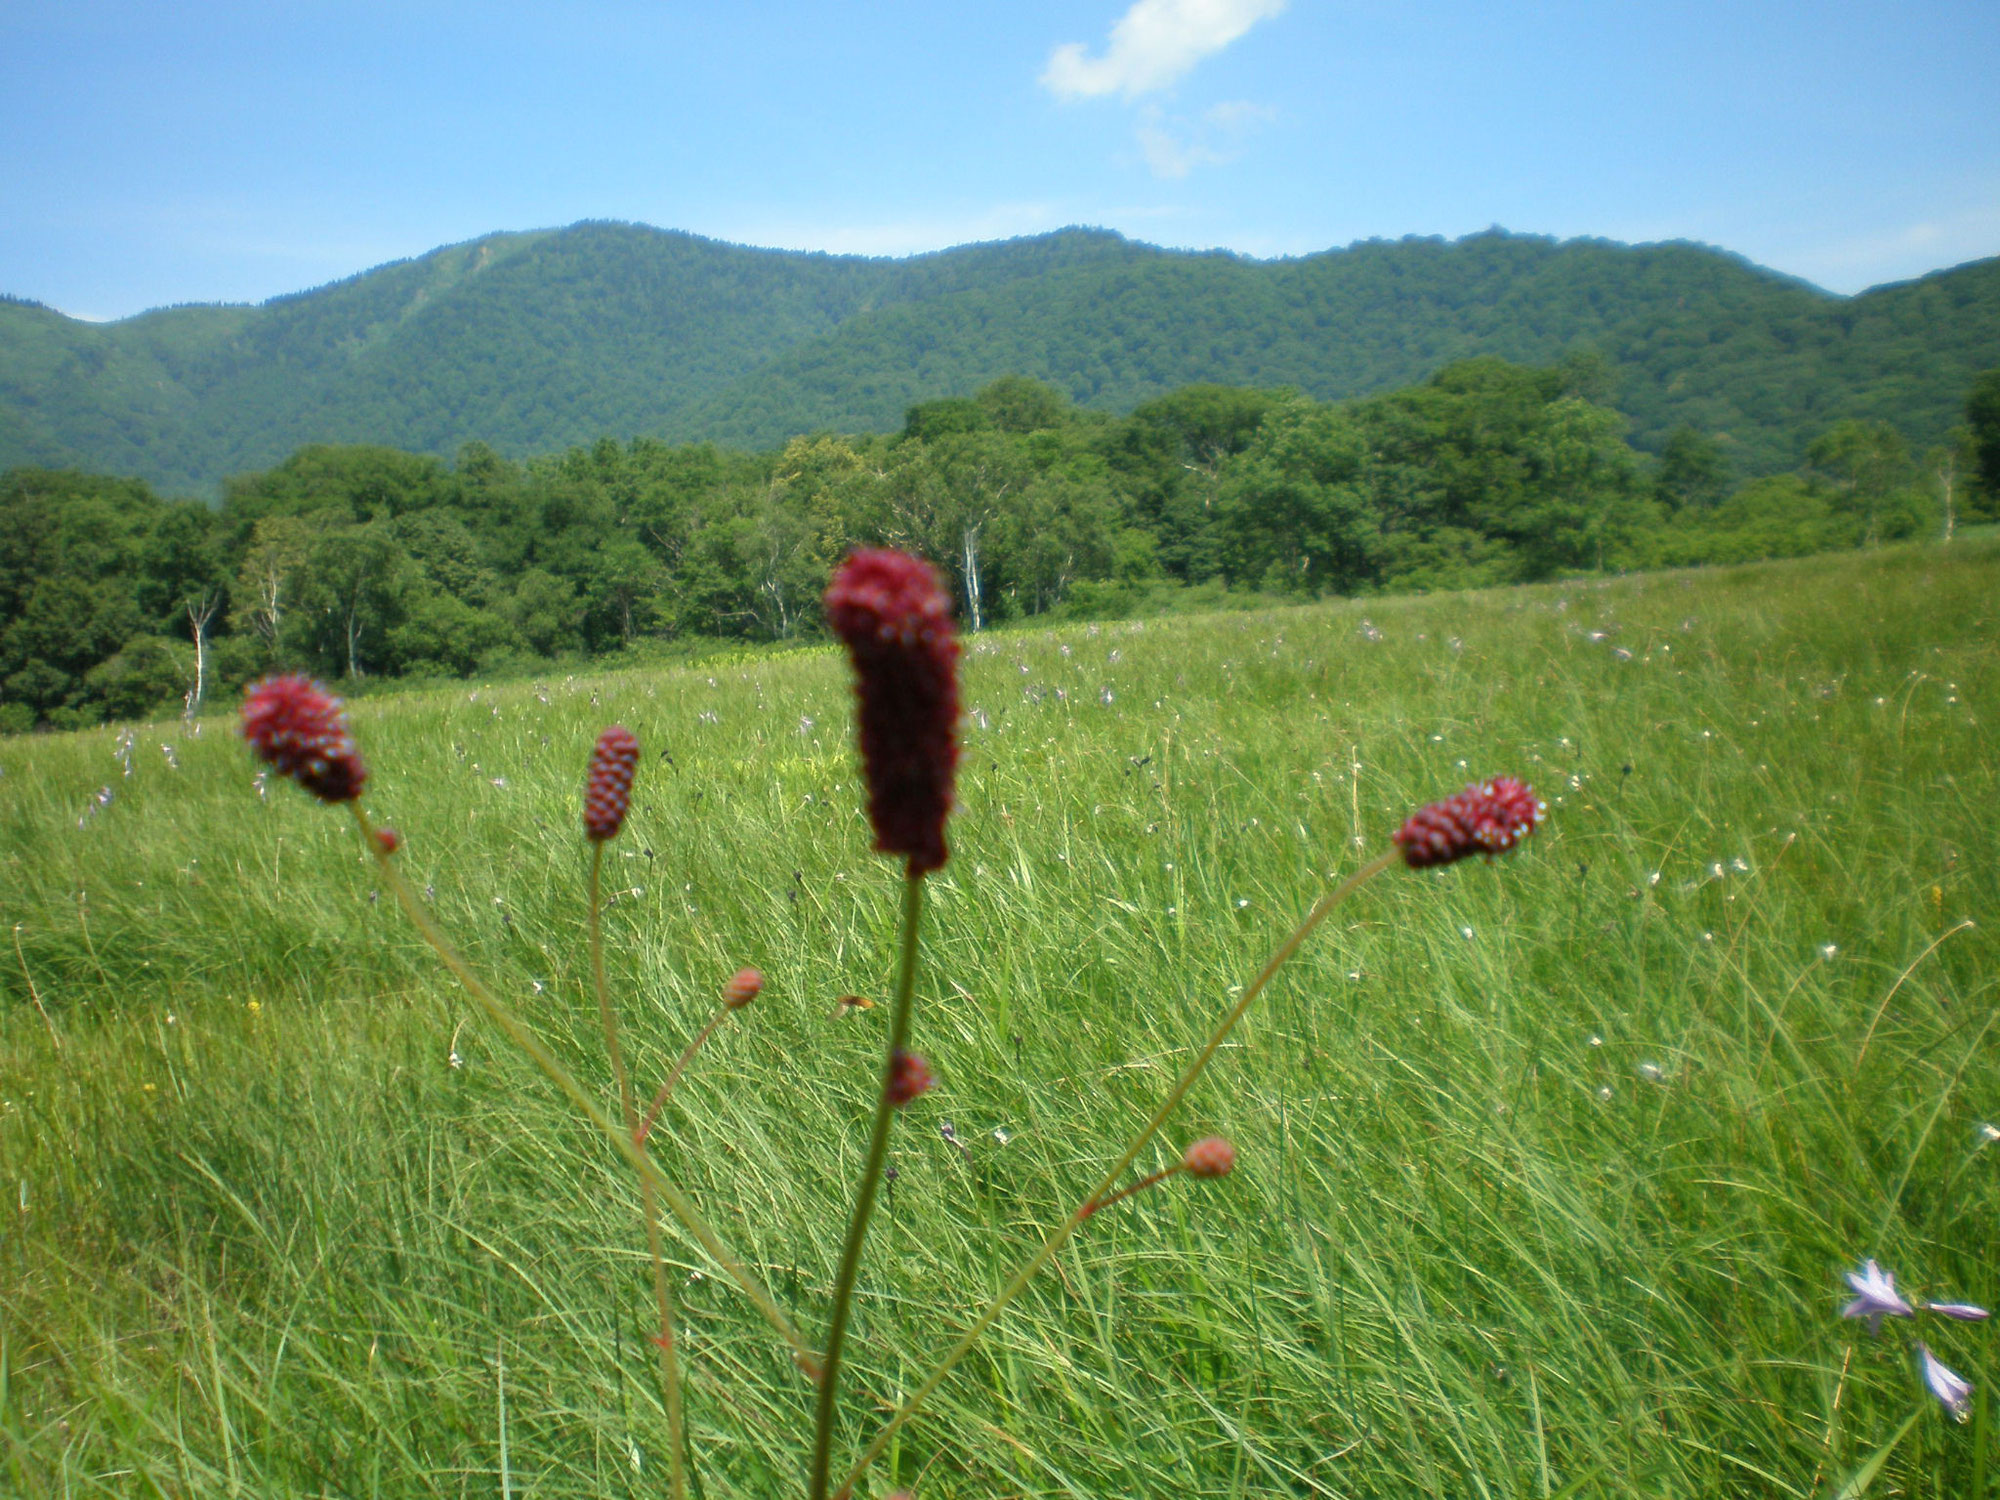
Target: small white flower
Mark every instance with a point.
(1740, 865)
(1001, 1136)
(1604, 1092)
(1987, 1133)
(1652, 1072)
(1877, 1299)
(1954, 1390)
(1596, 1040)
(1827, 950)
(1654, 878)
(1466, 933)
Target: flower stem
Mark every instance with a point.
(871, 1179)
(649, 1206)
(1090, 1204)
(1098, 1205)
(621, 1140)
(607, 1018)
(660, 1099)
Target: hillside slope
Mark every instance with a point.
(535, 341)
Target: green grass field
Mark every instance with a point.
(1550, 1169)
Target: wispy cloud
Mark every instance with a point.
(1175, 147)
(1153, 45)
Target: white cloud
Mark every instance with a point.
(1239, 115)
(1175, 147)
(1154, 43)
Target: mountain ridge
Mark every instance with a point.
(540, 339)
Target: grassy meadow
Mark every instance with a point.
(1550, 1168)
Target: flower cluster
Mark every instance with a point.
(301, 729)
(1211, 1156)
(895, 619)
(743, 987)
(607, 791)
(1876, 1298)
(909, 1076)
(1489, 819)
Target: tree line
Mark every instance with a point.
(362, 562)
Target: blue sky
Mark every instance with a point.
(200, 151)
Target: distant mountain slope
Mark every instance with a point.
(536, 341)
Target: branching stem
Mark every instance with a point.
(1064, 1230)
(621, 1140)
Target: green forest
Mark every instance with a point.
(370, 563)
(537, 342)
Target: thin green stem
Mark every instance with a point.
(871, 1179)
(1064, 1230)
(660, 1099)
(538, 1053)
(649, 1205)
(1098, 1205)
(607, 1018)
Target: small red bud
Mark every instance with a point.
(742, 988)
(1211, 1156)
(607, 791)
(388, 840)
(909, 1076)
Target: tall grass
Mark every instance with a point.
(1549, 1170)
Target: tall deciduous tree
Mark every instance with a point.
(1982, 417)
(1866, 463)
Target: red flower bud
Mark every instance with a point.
(1489, 819)
(1211, 1156)
(301, 729)
(742, 988)
(895, 619)
(607, 792)
(909, 1076)
(388, 840)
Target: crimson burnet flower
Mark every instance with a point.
(1211, 1156)
(388, 840)
(1489, 818)
(607, 791)
(895, 619)
(301, 729)
(742, 988)
(909, 1076)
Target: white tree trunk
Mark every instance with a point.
(972, 576)
(199, 612)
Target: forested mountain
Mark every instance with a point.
(532, 342)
